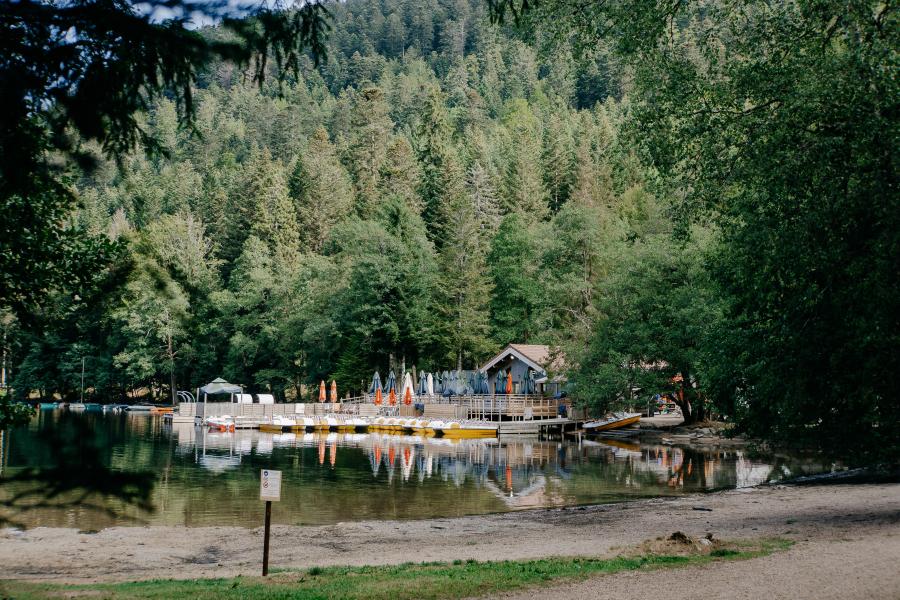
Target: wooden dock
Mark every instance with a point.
(514, 414)
(538, 426)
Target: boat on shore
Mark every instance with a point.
(48, 405)
(616, 421)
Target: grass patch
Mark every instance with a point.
(426, 581)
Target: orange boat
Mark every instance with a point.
(161, 410)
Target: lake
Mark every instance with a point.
(91, 471)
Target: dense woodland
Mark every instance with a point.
(431, 192)
(654, 196)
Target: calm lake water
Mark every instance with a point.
(198, 478)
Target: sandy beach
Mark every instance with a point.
(847, 538)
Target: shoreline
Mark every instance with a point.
(803, 513)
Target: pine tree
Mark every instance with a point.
(483, 195)
(462, 329)
(593, 184)
(523, 186)
(370, 133)
(321, 191)
(492, 65)
(274, 219)
(558, 160)
(442, 174)
(514, 296)
(401, 175)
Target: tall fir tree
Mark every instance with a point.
(368, 145)
(558, 160)
(513, 267)
(274, 218)
(401, 174)
(523, 186)
(461, 329)
(442, 174)
(321, 191)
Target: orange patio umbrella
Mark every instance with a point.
(392, 397)
(407, 397)
(509, 382)
(322, 391)
(334, 397)
(378, 396)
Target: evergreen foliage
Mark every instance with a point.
(705, 190)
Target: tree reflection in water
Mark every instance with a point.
(68, 469)
(210, 478)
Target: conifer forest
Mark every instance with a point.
(709, 192)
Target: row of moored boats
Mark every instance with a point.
(420, 426)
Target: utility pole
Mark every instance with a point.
(82, 380)
(171, 369)
(3, 368)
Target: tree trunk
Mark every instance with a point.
(690, 402)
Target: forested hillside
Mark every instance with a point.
(431, 192)
(698, 198)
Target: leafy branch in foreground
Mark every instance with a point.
(83, 71)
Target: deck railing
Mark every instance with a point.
(524, 407)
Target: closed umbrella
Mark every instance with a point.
(460, 382)
(407, 386)
(423, 385)
(376, 383)
(407, 396)
(430, 384)
(483, 383)
(322, 391)
(391, 388)
(449, 383)
(509, 382)
(334, 397)
(498, 381)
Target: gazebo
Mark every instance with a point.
(219, 386)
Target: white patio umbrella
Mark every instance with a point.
(407, 384)
(430, 384)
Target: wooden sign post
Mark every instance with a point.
(269, 490)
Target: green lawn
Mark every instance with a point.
(406, 581)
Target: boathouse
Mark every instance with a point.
(535, 369)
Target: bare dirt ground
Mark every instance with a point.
(848, 535)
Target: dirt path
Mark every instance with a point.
(864, 514)
(864, 567)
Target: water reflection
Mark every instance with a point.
(211, 478)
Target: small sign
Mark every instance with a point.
(270, 485)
